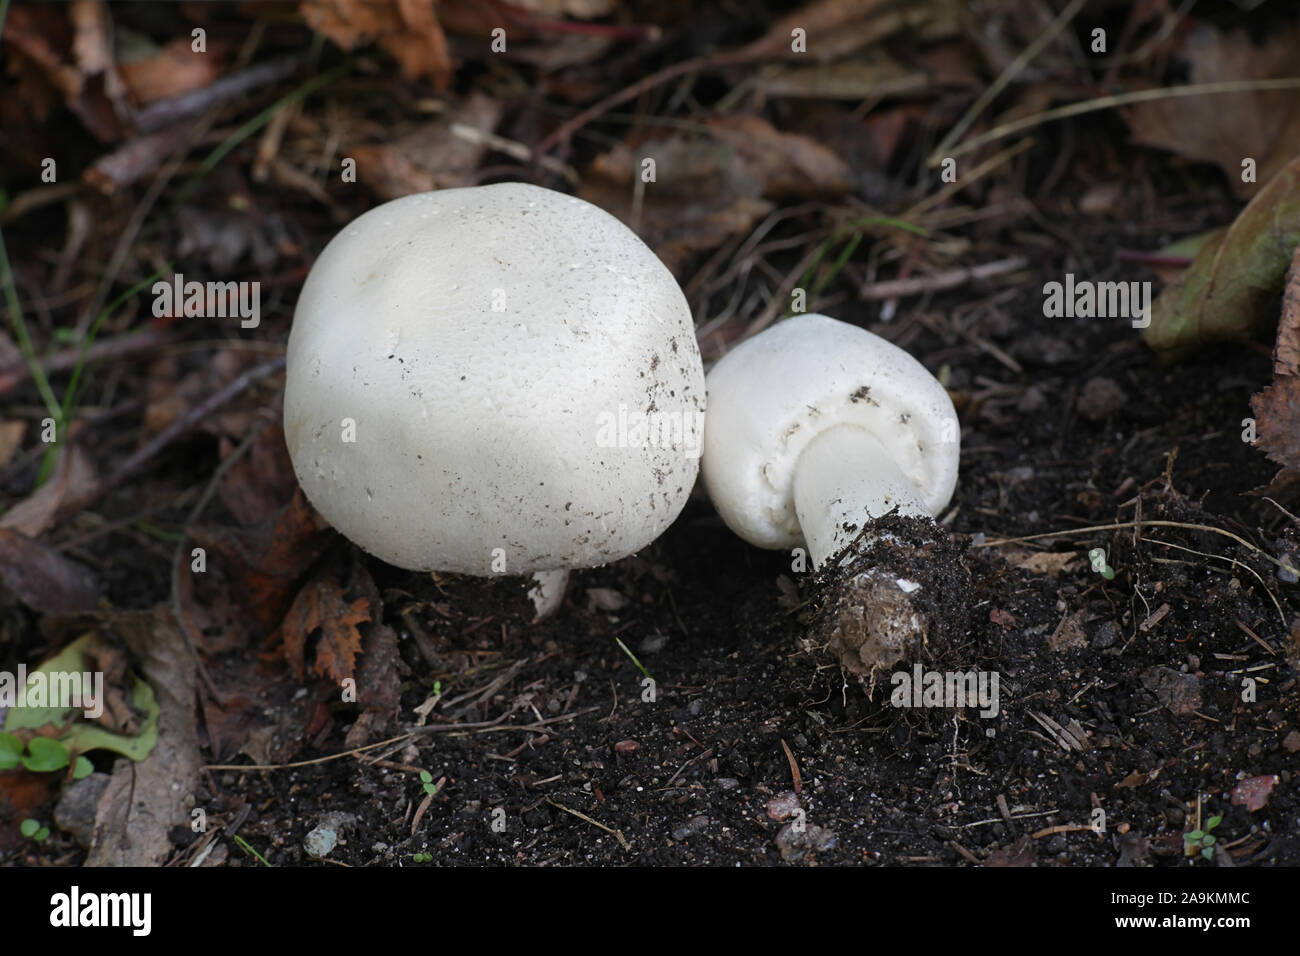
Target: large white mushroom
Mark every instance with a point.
(817, 429)
(497, 379)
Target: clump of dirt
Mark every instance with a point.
(897, 593)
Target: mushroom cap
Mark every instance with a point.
(772, 394)
(493, 348)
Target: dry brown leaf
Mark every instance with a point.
(1227, 129)
(431, 157)
(1253, 792)
(73, 477)
(407, 29)
(261, 566)
(256, 487)
(1277, 407)
(1277, 421)
(1180, 692)
(42, 578)
(321, 605)
(1286, 351)
(1136, 778)
(1040, 562)
(1069, 633)
(174, 70)
(170, 392)
(144, 801)
(69, 47)
(789, 165)
(708, 189)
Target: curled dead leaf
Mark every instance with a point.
(321, 605)
(1233, 282)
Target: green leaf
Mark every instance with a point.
(45, 755)
(85, 737)
(42, 835)
(29, 827)
(1234, 281)
(11, 749)
(82, 768)
(1214, 822)
(80, 736)
(1194, 836)
(1208, 853)
(1207, 841)
(426, 777)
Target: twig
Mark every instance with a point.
(1121, 99)
(513, 148)
(794, 766)
(178, 556)
(170, 434)
(939, 281)
(122, 347)
(565, 130)
(481, 727)
(618, 834)
(1014, 68)
(175, 108)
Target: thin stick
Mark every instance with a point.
(618, 834)
(1014, 69)
(170, 434)
(1121, 99)
(482, 727)
(939, 281)
(564, 131)
(1133, 524)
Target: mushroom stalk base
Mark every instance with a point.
(843, 481)
(547, 592)
(896, 595)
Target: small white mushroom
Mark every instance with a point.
(498, 379)
(817, 431)
(817, 427)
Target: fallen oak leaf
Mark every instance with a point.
(408, 30)
(321, 605)
(263, 564)
(1277, 407)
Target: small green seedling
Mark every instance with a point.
(33, 830)
(40, 755)
(1097, 556)
(422, 858)
(426, 778)
(1201, 840)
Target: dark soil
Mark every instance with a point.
(699, 772)
(1148, 695)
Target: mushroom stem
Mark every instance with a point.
(844, 479)
(547, 592)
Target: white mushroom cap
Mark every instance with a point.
(771, 395)
(495, 347)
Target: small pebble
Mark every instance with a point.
(783, 806)
(692, 826)
(1101, 398)
(320, 842)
